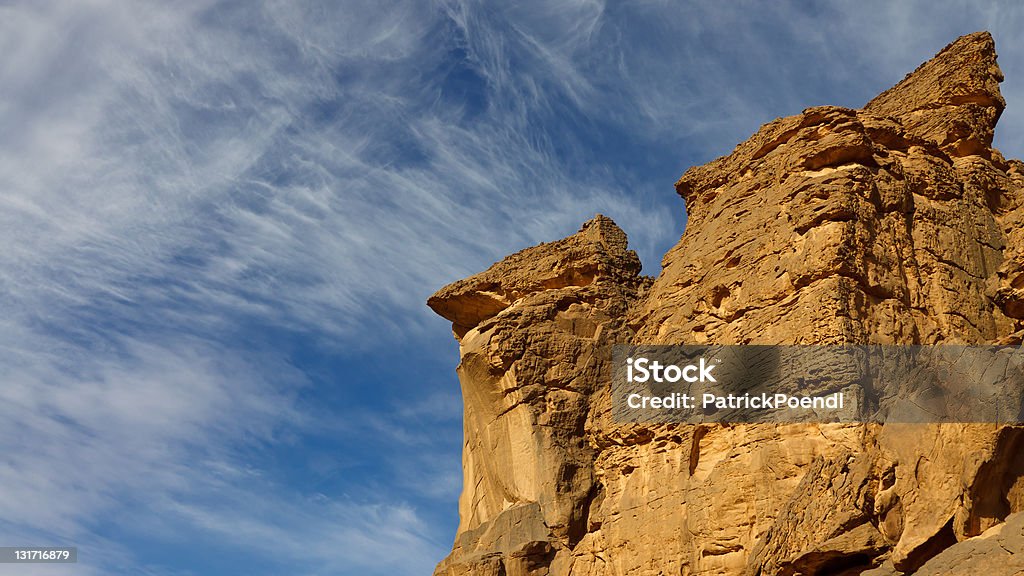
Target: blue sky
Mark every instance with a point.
(221, 220)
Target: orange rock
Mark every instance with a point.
(894, 224)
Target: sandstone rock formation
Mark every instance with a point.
(894, 224)
(534, 332)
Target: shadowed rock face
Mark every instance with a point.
(894, 224)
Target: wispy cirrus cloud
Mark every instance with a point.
(203, 205)
(272, 174)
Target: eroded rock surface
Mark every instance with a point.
(534, 330)
(894, 224)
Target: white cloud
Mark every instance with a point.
(322, 535)
(186, 139)
(86, 436)
(170, 173)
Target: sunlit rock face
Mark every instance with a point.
(894, 224)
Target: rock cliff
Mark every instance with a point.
(894, 224)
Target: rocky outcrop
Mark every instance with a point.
(534, 331)
(999, 550)
(894, 224)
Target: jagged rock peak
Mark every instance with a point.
(597, 252)
(952, 99)
(849, 201)
(606, 231)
